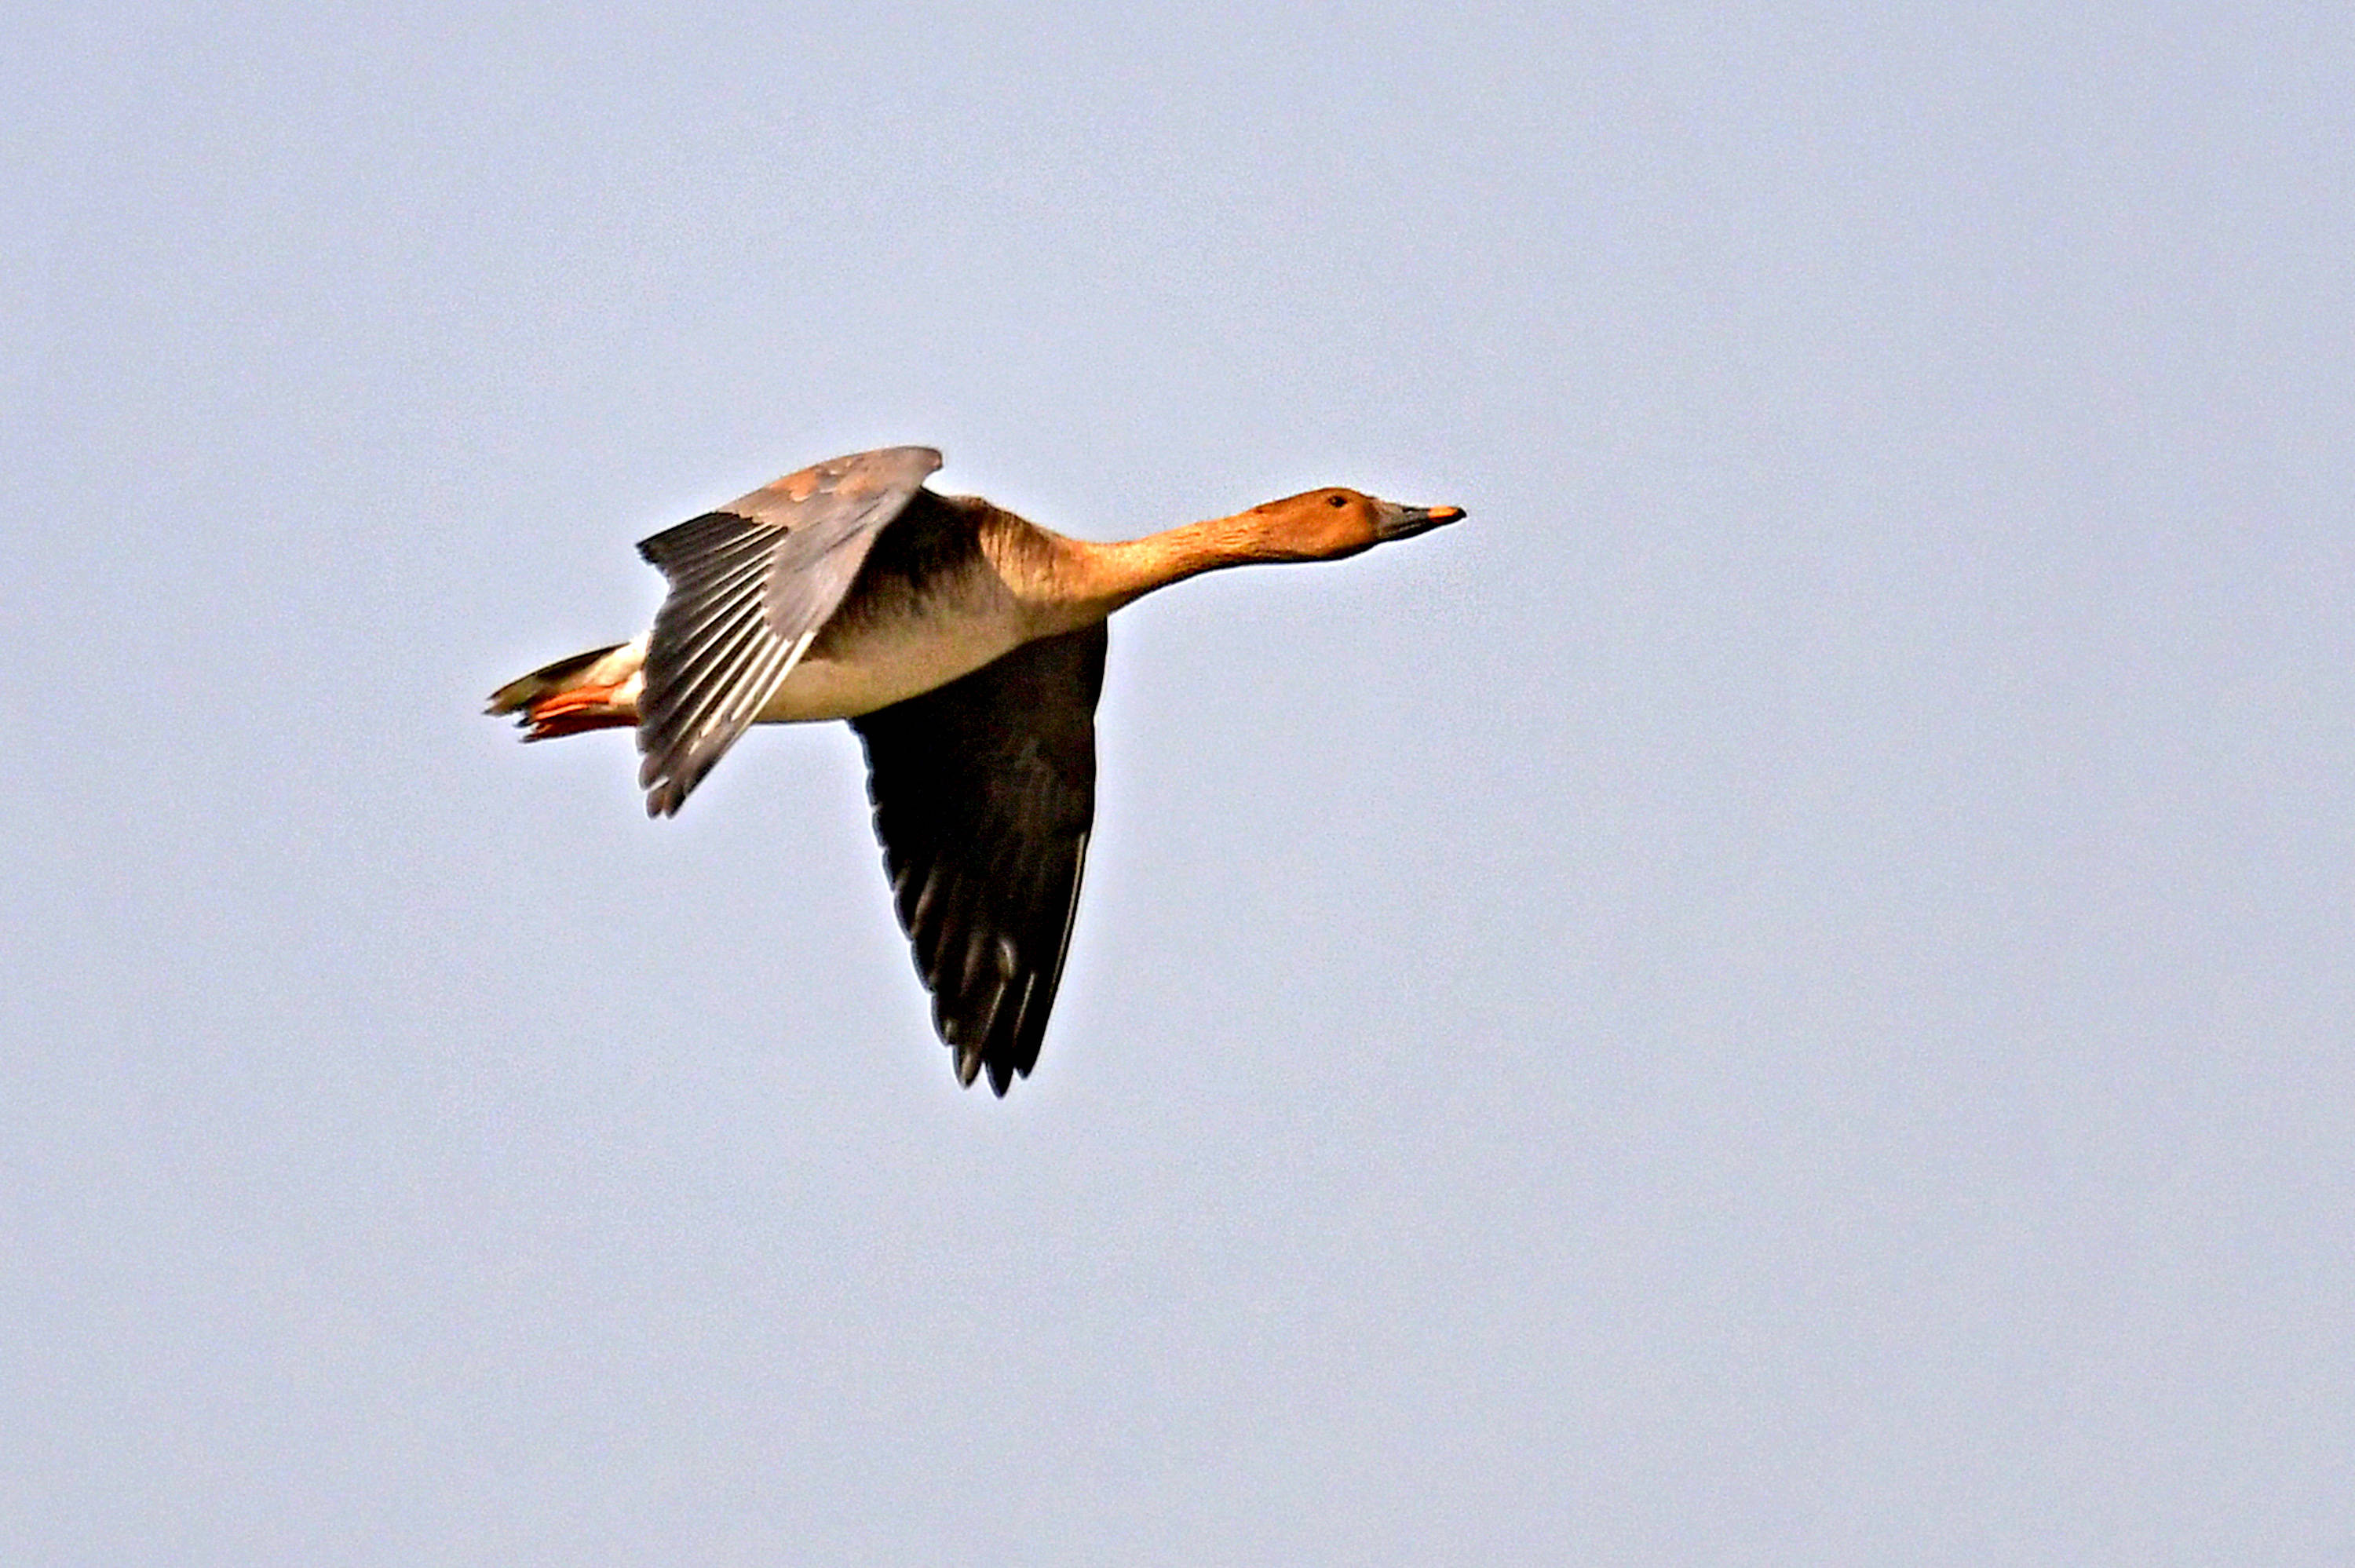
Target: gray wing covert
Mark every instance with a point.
(751, 584)
(985, 792)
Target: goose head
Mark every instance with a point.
(1327, 525)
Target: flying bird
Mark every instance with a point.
(966, 647)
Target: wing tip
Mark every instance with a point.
(1001, 1070)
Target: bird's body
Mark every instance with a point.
(966, 646)
(930, 603)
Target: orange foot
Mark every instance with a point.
(578, 710)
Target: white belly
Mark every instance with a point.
(909, 658)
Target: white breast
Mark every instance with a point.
(903, 659)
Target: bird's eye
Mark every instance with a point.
(1337, 501)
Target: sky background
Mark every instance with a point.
(1780, 995)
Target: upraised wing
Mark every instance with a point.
(751, 584)
(985, 792)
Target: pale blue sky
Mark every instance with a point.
(1780, 995)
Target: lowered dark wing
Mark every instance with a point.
(751, 584)
(984, 791)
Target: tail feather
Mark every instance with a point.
(596, 690)
(547, 680)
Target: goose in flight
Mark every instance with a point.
(966, 647)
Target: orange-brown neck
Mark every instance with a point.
(1084, 581)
